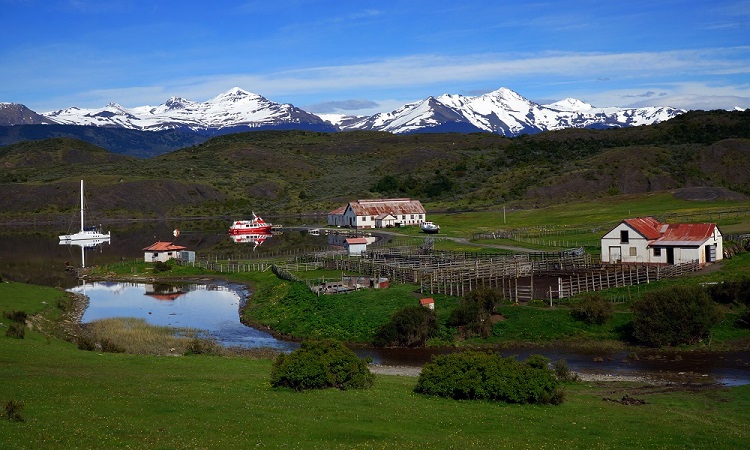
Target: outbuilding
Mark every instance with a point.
(378, 213)
(162, 251)
(356, 246)
(648, 241)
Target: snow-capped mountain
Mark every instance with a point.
(232, 110)
(15, 114)
(505, 112)
(502, 111)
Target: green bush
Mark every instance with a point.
(321, 365)
(674, 316)
(593, 309)
(161, 266)
(728, 292)
(486, 376)
(408, 327)
(472, 316)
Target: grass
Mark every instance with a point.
(77, 399)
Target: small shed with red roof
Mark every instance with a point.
(646, 240)
(428, 303)
(356, 246)
(162, 251)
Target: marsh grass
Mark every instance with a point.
(136, 336)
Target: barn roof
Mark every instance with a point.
(671, 234)
(161, 246)
(356, 241)
(338, 211)
(375, 207)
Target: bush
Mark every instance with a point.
(594, 310)
(12, 411)
(16, 330)
(16, 316)
(486, 376)
(562, 372)
(161, 266)
(674, 316)
(408, 327)
(321, 365)
(728, 292)
(472, 316)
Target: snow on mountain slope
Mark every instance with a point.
(234, 108)
(506, 112)
(502, 111)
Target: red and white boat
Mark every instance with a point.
(255, 226)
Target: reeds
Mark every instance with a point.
(136, 336)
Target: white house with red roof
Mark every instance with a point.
(162, 251)
(356, 246)
(378, 213)
(646, 240)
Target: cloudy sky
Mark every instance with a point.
(362, 57)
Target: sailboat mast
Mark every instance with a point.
(81, 205)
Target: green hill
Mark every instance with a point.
(698, 154)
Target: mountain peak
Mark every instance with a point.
(570, 104)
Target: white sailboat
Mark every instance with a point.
(86, 233)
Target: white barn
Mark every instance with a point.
(356, 246)
(379, 213)
(646, 240)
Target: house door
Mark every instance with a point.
(670, 255)
(615, 255)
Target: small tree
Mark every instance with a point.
(409, 327)
(674, 316)
(320, 365)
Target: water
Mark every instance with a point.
(33, 254)
(213, 308)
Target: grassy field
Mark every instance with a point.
(78, 399)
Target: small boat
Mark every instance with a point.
(86, 233)
(430, 227)
(254, 226)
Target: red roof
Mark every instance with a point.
(426, 301)
(673, 233)
(648, 227)
(338, 211)
(163, 247)
(356, 241)
(376, 207)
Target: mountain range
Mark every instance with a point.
(503, 112)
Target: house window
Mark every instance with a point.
(403, 217)
(657, 251)
(624, 237)
(412, 217)
(633, 251)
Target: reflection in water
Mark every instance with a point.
(254, 238)
(213, 308)
(86, 244)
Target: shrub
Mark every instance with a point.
(16, 330)
(594, 310)
(16, 316)
(161, 266)
(486, 376)
(408, 327)
(674, 316)
(12, 411)
(320, 365)
(728, 292)
(472, 316)
(562, 372)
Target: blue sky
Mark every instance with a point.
(362, 57)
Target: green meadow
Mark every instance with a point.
(86, 399)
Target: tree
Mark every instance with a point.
(674, 316)
(320, 365)
(409, 327)
(594, 310)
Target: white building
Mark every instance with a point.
(645, 240)
(378, 213)
(162, 251)
(356, 246)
